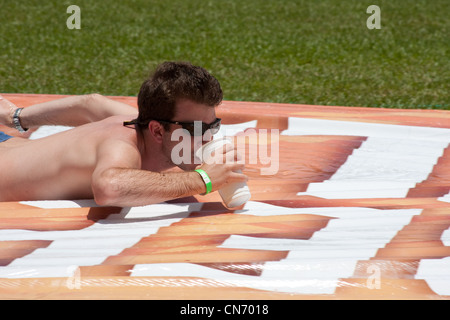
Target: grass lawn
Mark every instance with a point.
(290, 51)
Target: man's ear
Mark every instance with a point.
(156, 130)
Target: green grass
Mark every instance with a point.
(311, 52)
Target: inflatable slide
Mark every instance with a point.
(347, 203)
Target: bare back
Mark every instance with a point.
(59, 166)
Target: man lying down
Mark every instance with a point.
(109, 158)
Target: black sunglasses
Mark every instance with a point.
(189, 126)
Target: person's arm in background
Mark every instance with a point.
(71, 111)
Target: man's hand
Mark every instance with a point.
(7, 109)
(224, 167)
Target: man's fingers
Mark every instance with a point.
(237, 166)
(238, 177)
(222, 150)
(232, 156)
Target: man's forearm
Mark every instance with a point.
(132, 187)
(73, 111)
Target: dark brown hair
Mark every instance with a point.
(170, 82)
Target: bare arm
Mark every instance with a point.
(118, 181)
(133, 187)
(74, 111)
(71, 111)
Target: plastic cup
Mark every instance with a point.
(233, 194)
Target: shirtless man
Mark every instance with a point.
(109, 158)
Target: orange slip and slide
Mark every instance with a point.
(347, 203)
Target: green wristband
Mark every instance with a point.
(206, 180)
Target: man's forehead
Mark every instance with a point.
(188, 110)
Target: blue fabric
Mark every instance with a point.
(4, 137)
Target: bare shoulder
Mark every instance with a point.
(106, 141)
(116, 121)
(109, 128)
(118, 145)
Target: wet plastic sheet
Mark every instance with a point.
(357, 205)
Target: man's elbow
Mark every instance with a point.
(92, 99)
(93, 105)
(106, 191)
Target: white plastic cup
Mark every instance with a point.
(234, 194)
